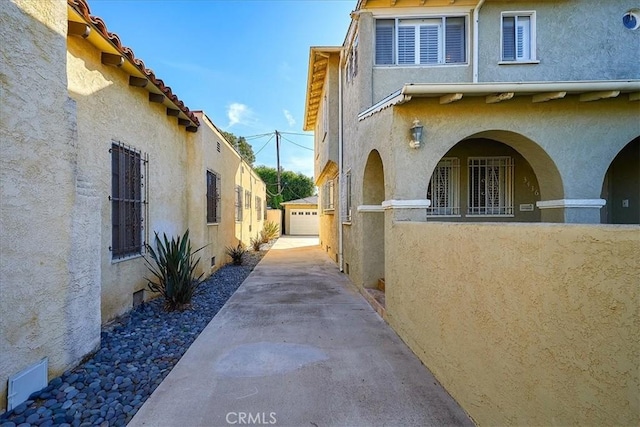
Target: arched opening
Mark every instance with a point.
(373, 222)
(482, 179)
(621, 187)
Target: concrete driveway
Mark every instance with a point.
(297, 345)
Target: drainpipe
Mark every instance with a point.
(340, 156)
(476, 30)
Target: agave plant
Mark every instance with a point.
(236, 253)
(269, 231)
(256, 243)
(174, 269)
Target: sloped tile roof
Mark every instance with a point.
(82, 7)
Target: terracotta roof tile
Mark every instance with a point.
(82, 7)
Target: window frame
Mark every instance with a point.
(328, 196)
(413, 21)
(247, 199)
(533, 58)
(213, 197)
(128, 199)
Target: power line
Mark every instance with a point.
(265, 144)
(296, 144)
(294, 133)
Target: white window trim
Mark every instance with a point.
(533, 59)
(442, 16)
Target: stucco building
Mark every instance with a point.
(479, 159)
(98, 154)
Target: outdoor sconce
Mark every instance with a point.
(416, 134)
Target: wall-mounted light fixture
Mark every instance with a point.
(416, 134)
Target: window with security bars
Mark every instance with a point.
(444, 188)
(238, 203)
(429, 41)
(258, 208)
(128, 205)
(328, 195)
(518, 41)
(213, 197)
(247, 199)
(490, 186)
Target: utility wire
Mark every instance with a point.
(296, 144)
(265, 144)
(294, 133)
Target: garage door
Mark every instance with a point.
(303, 222)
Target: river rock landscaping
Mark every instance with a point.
(136, 353)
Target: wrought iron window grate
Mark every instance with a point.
(444, 188)
(490, 186)
(128, 200)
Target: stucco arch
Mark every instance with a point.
(546, 170)
(621, 186)
(373, 193)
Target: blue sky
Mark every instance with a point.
(243, 62)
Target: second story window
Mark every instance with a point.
(428, 41)
(518, 36)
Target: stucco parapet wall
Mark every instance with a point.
(110, 43)
(500, 92)
(571, 203)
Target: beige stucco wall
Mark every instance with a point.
(524, 324)
(203, 155)
(111, 110)
(50, 297)
(250, 225)
(275, 216)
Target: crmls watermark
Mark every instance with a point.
(250, 418)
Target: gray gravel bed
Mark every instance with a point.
(136, 353)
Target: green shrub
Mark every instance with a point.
(174, 270)
(270, 231)
(236, 253)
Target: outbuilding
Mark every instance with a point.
(301, 217)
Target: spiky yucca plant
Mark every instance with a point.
(174, 270)
(236, 253)
(269, 231)
(256, 243)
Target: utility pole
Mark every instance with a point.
(278, 161)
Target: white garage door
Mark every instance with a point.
(303, 222)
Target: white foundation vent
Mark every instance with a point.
(25, 382)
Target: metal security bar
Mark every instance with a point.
(490, 186)
(238, 203)
(258, 208)
(213, 197)
(444, 188)
(128, 201)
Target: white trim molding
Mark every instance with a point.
(571, 203)
(406, 204)
(370, 208)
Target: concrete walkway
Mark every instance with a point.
(297, 345)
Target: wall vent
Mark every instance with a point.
(26, 382)
(138, 298)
